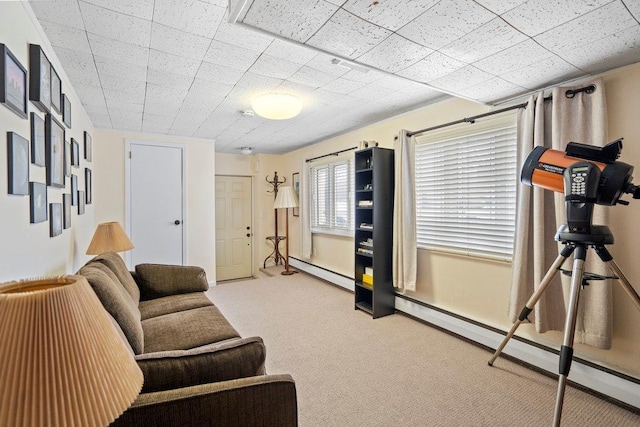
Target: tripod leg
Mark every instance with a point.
(564, 254)
(566, 350)
(605, 256)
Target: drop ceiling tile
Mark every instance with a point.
(123, 100)
(176, 42)
(634, 8)
(90, 95)
(394, 54)
(133, 87)
(500, 6)
(396, 82)
(549, 71)
(230, 56)
(323, 62)
(493, 90)
(535, 17)
(101, 121)
(165, 78)
(371, 92)
(127, 122)
(164, 94)
(190, 118)
(271, 66)
(157, 121)
(199, 101)
(446, 22)
(244, 37)
(140, 8)
(311, 77)
(587, 29)
(76, 60)
(66, 37)
(291, 51)
(343, 86)
(219, 73)
(370, 76)
(460, 79)
(295, 23)
(512, 58)
(322, 96)
(174, 64)
(168, 107)
(64, 12)
(122, 69)
(490, 38)
(116, 26)
(432, 67)
(118, 50)
(155, 127)
(258, 83)
(391, 15)
(347, 35)
(96, 110)
(296, 89)
(191, 16)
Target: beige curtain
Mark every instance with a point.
(539, 214)
(305, 212)
(405, 247)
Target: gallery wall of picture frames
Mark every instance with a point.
(47, 145)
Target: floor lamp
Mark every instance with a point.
(286, 199)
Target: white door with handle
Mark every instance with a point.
(155, 202)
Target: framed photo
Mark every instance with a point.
(56, 91)
(66, 111)
(75, 153)
(67, 158)
(54, 151)
(80, 202)
(74, 190)
(87, 185)
(18, 164)
(13, 83)
(295, 182)
(37, 140)
(55, 219)
(66, 211)
(39, 78)
(38, 202)
(87, 147)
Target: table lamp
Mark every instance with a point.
(286, 199)
(109, 237)
(62, 361)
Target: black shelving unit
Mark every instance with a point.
(374, 187)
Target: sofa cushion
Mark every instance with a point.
(186, 329)
(172, 304)
(119, 268)
(117, 301)
(161, 280)
(225, 360)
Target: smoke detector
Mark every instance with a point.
(247, 113)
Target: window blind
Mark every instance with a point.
(466, 189)
(332, 210)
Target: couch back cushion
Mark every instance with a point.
(117, 301)
(119, 268)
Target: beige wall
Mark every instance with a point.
(479, 289)
(109, 183)
(26, 249)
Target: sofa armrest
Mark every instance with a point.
(161, 280)
(221, 361)
(266, 400)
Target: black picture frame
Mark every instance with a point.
(18, 164)
(295, 183)
(74, 190)
(55, 219)
(66, 211)
(75, 153)
(38, 202)
(88, 186)
(67, 158)
(39, 78)
(13, 82)
(38, 156)
(88, 147)
(81, 202)
(56, 91)
(54, 151)
(66, 111)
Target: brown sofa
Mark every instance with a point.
(197, 369)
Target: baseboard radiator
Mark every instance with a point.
(612, 384)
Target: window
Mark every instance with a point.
(466, 189)
(332, 210)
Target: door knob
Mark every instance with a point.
(248, 235)
(176, 222)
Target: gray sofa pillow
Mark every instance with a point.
(161, 280)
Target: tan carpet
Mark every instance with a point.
(351, 370)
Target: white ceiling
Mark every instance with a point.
(179, 67)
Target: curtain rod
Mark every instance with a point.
(335, 153)
(569, 94)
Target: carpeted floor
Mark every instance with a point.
(351, 370)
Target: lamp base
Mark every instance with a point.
(288, 272)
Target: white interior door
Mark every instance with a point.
(156, 203)
(233, 227)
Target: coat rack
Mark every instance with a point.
(276, 255)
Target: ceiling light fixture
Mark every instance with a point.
(246, 150)
(277, 106)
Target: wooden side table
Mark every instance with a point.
(276, 255)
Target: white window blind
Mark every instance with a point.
(466, 189)
(332, 210)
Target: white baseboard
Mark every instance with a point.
(598, 380)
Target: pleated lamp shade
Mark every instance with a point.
(286, 198)
(62, 361)
(109, 237)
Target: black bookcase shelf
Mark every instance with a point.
(375, 184)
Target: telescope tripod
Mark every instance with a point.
(578, 244)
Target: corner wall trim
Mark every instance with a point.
(626, 391)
